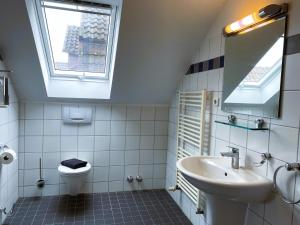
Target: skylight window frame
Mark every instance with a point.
(75, 75)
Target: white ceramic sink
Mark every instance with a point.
(227, 190)
(214, 175)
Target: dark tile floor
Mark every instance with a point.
(123, 208)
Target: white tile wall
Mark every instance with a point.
(122, 140)
(9, 136)
(282, 140)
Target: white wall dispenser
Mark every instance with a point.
(75, 115)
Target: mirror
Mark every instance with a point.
(253, 70)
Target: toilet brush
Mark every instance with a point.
(41, 182)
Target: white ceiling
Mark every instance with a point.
(157, 40)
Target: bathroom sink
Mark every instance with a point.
(214, 175)
(227, 191)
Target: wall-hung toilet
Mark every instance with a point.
(74, 178)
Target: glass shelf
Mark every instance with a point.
(240, 125)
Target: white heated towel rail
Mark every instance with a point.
(190, 138)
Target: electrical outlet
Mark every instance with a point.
(216, 102)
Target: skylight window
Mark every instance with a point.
(78, 37)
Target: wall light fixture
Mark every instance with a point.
(257, 19)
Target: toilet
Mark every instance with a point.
(74, 178)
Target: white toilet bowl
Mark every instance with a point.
(74, 178)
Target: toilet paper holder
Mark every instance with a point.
(5, 157)
(3, 147)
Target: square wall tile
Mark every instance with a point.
(160, 142)
(32, 160)
(21, 147)
(33, 127)
(148, 113)
(146, 171)
(161, 128)
(162, 113)
(21, 110)
(132, 157)
(202, 80)
(86, 129)
(238, 136)
(252, 158)
(86, 156)
(34, 111)
(33, 143)
(69, 143)
(69, 129)
(147, 142)
(213, 78)
(222, 131)
(116, 158)
(115, 186)
(100, 187)
(86, 143)
(133, 127)
(51, 160)
(292, 82)
(117, 143)
(159, 184)
(31, 176)
(103, 112)
(116, 173)
(101, 174)
(52, 127)
(160, 156)
(101, 158)
(290, 111)
(51, 144)
(259, 140)
(132, 142)
(52, 111)
(32, 191)
(21, 127)
(131, 170)
(133, 112)
(68, 155)
(284, 142)
(51, 176)
(118, 112)
(102, 143)
(147, 184)
(159, 171)
(50, 190)
(147, 128)
(146, 156)
(102, 127)
(118, 127)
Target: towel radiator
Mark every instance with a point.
(190, 138)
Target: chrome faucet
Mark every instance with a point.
(235, 157)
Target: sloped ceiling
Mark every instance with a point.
(157, 40)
